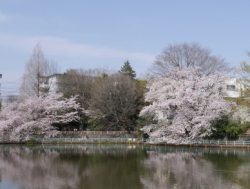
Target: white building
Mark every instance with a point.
(50, 83)
(235, 87)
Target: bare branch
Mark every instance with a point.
(187, 55)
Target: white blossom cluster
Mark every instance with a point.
(184, 103)
(37, 115)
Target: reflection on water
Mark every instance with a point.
(121, 166)
(192, 171)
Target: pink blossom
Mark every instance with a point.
(184, 103)
(36, 116)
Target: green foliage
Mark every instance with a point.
(218, 127)
(95, 124)
(127, 69)
(224, 127)
(233, 130)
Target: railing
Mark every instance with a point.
(223, 142)
(96, 132)
(87, 140)
(120, 137)
(228, 143)
(84, 137)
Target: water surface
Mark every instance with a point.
(122, 167)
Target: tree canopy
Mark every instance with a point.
(37, 116)
(187, 55)
(114, 100)
(127, 69)
(184, 103)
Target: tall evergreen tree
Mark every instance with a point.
(127, 69)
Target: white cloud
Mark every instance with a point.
(3, 17)
(65, 47)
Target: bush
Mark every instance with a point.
(218, 127)
(95, 124)
(225, 127)
(233, 130)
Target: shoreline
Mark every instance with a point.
(247, 146)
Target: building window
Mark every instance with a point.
(231, 88)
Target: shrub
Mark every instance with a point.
(225, 127)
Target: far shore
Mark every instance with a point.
(72, 142)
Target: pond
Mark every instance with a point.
(122, 167)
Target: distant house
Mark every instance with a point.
(235, 87)
(49, 84)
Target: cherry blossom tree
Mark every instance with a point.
(37, 116)
(184, 103)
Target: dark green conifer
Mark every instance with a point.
(127, 69)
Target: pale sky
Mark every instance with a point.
(104, 34)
